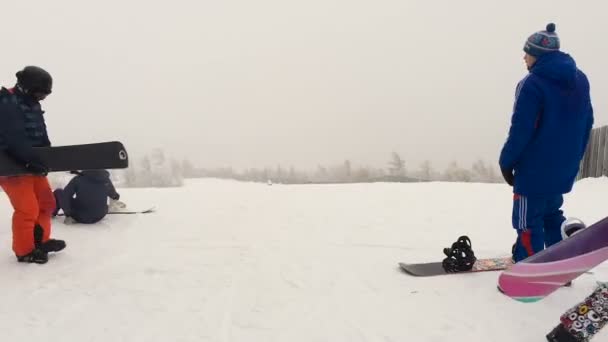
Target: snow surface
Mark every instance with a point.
(231, 261)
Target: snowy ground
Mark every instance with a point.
(229, 261)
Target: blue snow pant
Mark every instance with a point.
(537, 221)
(78, 210)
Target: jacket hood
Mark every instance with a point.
(557, 67)
(97, 175)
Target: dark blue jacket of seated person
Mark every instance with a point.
(85, 198)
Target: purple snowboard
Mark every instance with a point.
(541, 274)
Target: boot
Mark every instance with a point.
(52, 245)
(36, 256)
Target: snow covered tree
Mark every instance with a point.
(154, 171)
(347, 169)
(484, 172)
(455, 173)
(426, 171)
(188, 169)
(397, 165)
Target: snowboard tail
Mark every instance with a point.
(95, 156)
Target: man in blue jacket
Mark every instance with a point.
(85, 198)
(550, 126)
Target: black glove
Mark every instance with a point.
(508, 176)
(37, 168)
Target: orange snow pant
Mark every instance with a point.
(33, 203)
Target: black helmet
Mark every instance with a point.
(34, 79)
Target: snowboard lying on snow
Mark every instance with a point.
(436, 268)
(460, 258)
(127, 211)
(131, 211)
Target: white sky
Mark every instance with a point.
(267, 82)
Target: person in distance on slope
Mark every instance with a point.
(85, 198)
(22, 127)
(550, 126)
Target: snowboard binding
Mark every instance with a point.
(460, 257)
(572, 226)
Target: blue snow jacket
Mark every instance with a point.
(550, 126)
(22, 125)
(87, 195)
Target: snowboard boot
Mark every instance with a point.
(49, 246)
(568, 228)
(36, 256)
(584, 320)
(460, 256)
(116, 205)
(571, 226)
(52, 245)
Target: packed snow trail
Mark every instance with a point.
(232, 261)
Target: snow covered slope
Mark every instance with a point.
(230, 261)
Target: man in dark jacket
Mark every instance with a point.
(85, 198)
(550, 126)
(22, 127)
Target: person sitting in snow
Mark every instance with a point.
(85, 198)
(550, 126)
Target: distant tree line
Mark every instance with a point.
(155, 170)
(345, 172)
(151, 170)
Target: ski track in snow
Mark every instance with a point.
(230, 261)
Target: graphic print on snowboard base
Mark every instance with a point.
(96, 156)
(538, 276)
(435, 268)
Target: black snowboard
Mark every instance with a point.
(96, 156)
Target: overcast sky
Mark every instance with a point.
(254, 83)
